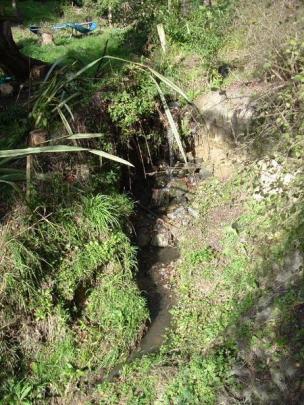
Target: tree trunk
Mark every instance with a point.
(16, 10)
(12, 61)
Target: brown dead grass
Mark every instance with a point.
(217, 219)
(261, 31)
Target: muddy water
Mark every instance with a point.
(168, 194)
(155, 267)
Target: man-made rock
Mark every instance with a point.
(227, 116)
(161, 235)
(6, 89)
(161, 240)
(47, 38)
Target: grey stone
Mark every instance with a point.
(179, 214)
(194, 213)
(204, 173)
(6, 89)
(161, 239)
(160, 197)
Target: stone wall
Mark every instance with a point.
(226, 117)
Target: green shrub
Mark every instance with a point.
(203, 30)
(70, 277)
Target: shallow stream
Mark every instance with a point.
(155, 268)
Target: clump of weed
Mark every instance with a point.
(68, 274)
(277, 125)
(201, 30)
(259, 33)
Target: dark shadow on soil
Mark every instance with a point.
(269, 369)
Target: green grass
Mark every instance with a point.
(219, 290)
(69, 266)
(85, 48)
(216, 327)
(33, 13)
(50, 12)
(72, 277)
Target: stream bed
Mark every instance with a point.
(164, 208)
(156, 269)
(161, 216)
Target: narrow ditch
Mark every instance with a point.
(155, 265)
(163, 208)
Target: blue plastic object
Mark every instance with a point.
(5, 79)
(60, 26)
(85, 28)
(35, 29)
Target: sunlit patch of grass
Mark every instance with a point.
(85, 48)
(111, 318)
(222, 297)
(139, 380)
(70, 275)
(200, 379)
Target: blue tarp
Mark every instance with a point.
(83, 28)
(5, 79)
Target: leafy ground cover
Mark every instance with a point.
(237, 332)
(67, 273)
(70, 307)
(237, 328)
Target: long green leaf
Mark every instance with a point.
(40, 149)
(65, 122)
(12, 184)
(9, 174)
(141, 65)
(7, 170)
(88, 66)
(84, 136)
(5, 161)
(111, 157)
(171, 120)
(168, 82)
(69, 111)
(74, 136)
(54, 65)
(65, 101)
(60, 149)
(13, 177)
